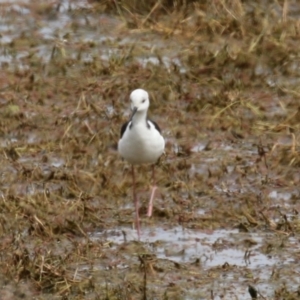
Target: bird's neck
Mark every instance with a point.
(139, 117)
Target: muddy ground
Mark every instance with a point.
(223, 77)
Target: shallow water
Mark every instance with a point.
(216, 249)
(185, 245)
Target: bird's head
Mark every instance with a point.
(139, 100)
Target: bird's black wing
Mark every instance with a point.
(155, 125)
(123, 128)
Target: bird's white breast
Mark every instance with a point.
(141, 144)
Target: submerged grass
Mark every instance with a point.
(223, 81)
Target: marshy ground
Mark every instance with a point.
(224, 82)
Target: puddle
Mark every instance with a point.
(280, 195)
(183, 246)
(221, 249)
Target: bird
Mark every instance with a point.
(141, 142)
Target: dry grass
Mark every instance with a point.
(223, 74)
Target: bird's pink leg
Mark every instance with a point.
(136, 204)
(153, 190)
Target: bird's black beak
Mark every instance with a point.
(134, 110)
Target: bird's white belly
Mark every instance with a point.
(141, 145)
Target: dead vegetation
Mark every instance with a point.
(223, 80)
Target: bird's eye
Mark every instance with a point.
(144, 101)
